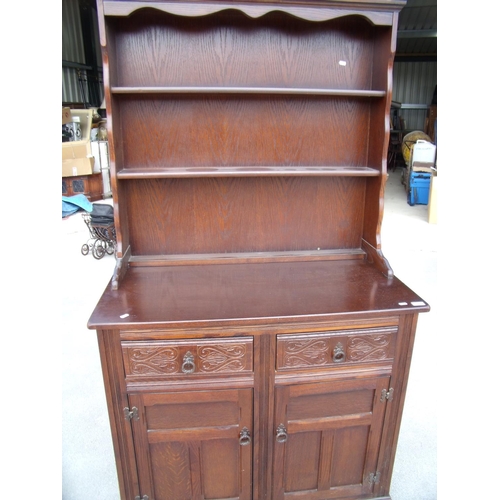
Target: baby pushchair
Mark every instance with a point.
(101, 225)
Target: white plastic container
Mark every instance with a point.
(423, 154)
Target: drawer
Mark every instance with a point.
(173, 358)
(335, 349)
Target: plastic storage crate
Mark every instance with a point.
(418, 192)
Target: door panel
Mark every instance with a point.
(174, 458)
(302, 453)
(330, 446)
(349, 455)
(188, 444)
(220, 468)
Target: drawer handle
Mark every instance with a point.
(188, 365)
(281, 434)
(245, 438)
(338, 353)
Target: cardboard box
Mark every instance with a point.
(77, 157)
(66, 115)
(433, 200)
(422, 167)
(77, 166)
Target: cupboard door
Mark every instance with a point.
(327, 436)
(194, 445)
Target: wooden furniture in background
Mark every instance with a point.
(255, 343)
(89, 185)
(430, 122)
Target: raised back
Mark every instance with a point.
(248, 128)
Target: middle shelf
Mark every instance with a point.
(316, 171)
(250, 134)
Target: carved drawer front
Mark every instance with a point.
(187, 357)
(335, 349)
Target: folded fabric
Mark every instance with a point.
(72, 204)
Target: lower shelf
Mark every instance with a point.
(250, 257)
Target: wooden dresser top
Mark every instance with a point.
(212, 294)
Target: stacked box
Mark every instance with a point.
(77, 157)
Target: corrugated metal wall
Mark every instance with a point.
(73, 52)
(413, 86)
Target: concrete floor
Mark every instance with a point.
(409, 243)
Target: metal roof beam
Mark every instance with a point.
(417, 34)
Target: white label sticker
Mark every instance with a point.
(343, 63)
(418, 303)
(124, 315)
(403, 304)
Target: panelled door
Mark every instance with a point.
(194, 445)
(327, 436)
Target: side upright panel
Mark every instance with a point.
(113, 124)
(116, 396)
(378, 139)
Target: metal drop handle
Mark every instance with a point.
(188, 365)
(338, 353)
(281, 434)
(245, 438)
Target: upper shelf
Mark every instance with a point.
(379, 12)
(159, 53)
(249, 90)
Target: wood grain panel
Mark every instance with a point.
(170, 463)
(233, 130)
(329, 405)
(255, 214)
(302, 461)
(192, 414)
(156, 49)
(220, 468)
(349, 455)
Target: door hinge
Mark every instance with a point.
(131, 414)
(145, 497)
(386, 395)
(374, 478)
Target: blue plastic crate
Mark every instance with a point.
(419, 185)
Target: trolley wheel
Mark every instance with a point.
(98, 251)
(85, 249)
(110, 248)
